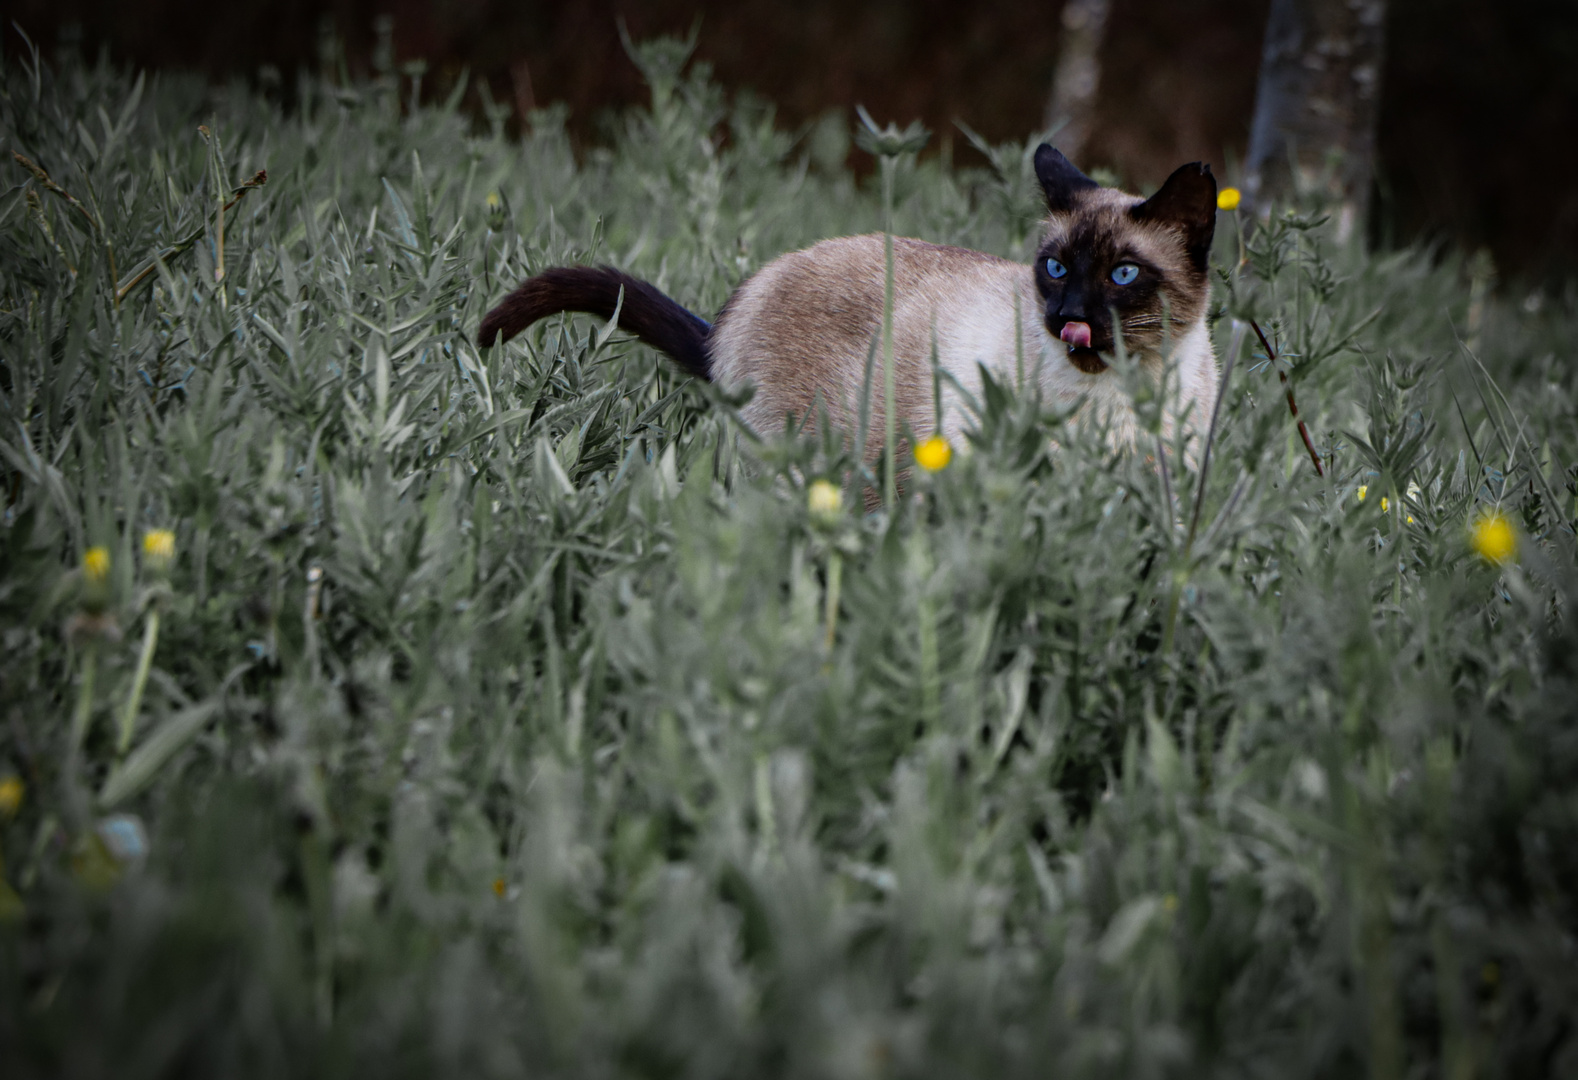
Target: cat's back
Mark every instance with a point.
(842, 280)
(806, 320)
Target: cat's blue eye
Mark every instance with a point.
(1125, 273)
(1055, 268)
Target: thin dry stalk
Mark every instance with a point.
(138, 276)
(43, 177)
(1293, 406)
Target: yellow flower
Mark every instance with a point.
(1386, 504)
(1170, 901)
(158, 548)
(11, 792)
(1493, 538)
(934, 454)
(825, 501)
(493, 200)
(96, 564)
(499, 887)
(1228, 198)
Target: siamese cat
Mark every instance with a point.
(801, 328)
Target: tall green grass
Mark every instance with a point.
(492, 726)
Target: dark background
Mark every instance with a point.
(1478, 141)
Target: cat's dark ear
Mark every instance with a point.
(1059, 179)
(1187, 200)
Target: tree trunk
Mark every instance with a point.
(1317, 104)
(1072, 105)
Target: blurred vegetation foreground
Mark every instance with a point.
(376, 705)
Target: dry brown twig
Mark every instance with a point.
(1293, 407)
(42, 176)
(143, 272)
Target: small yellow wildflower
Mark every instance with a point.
(934, 454)
(1170, 901)
(96, 564)
(1228, 198)
(1386, 504)
(158, 549)
(11, 791)
(1386, 508)
(493, 200)
(825, 501)
(158, 543)
(499, 887)
(1493, 538)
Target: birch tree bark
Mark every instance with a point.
(1317, 104)
(1072, 104)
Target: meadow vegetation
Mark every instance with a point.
(514, 711)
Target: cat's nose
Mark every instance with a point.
(1076, 334)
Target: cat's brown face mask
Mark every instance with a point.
(1107, 256)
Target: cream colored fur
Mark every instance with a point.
(800, 329)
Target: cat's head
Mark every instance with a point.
(1106, 252)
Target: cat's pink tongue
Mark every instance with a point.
(1076, 334)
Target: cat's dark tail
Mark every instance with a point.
(646, 312)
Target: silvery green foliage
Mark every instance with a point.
(493, 728)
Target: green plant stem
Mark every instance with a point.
(1175, 597)
(216, 170)
(1372, 901)
(74, 800)
(835, 575)
(1182, 576)
(277, 597)
(150, 641)
(219, 253)
(309, 618)
(931, 675)
(1398, 517)
(316, 873)
(79, 720)
(109, 259)
(200, 557)
(1457, 1031)
(889, 421)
